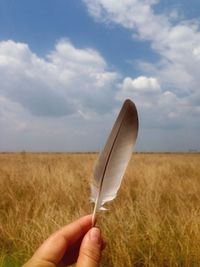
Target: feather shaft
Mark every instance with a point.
(114, 158)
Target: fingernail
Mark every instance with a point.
(95, 235)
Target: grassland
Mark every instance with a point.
(155, 220)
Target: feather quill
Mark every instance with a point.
(114, 158)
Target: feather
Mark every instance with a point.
(114, 158)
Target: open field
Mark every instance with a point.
(155, 220)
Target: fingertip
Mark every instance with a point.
(87, 218)
(94, 234)
(91, 247)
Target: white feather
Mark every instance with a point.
(115, 156)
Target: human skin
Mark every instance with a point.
(76, 242)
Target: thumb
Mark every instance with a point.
(90, 250)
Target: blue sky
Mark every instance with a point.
(41, 24)
(66, 66)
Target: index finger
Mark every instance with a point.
(73, 231)
(54, 248)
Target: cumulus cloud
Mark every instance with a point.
(196, 52)
(57, 102)
(160, 109)
(169, 88)
(66, 81)
(141, 84)
(66, 96)
(147, 94)
(177, 44)
(21, 130)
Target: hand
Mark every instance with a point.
(76, 242)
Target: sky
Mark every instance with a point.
(67, 66)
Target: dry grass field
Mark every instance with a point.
(155, 220)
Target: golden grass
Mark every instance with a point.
(155, 220)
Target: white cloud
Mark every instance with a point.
(21, 130)
(157, 108)
(67, 96)
(141, 84)
(132, 14)
(173, 89)
(67, 80)
(58, 102)
(196, 52)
